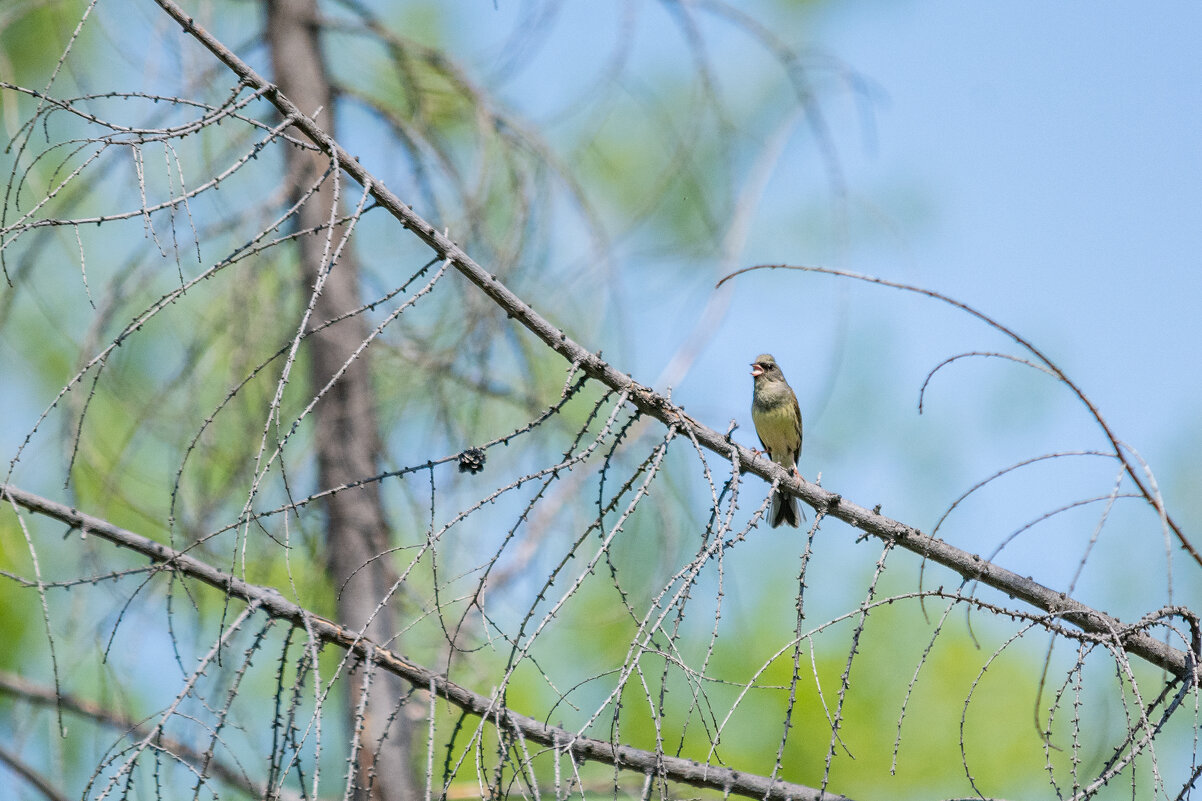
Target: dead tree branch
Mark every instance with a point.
(1131, 639)
(561, 740)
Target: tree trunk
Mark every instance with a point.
(346, 427)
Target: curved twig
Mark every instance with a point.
(1119, 450)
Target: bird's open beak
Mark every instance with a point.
(756, 370)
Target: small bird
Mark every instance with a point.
(777, 419)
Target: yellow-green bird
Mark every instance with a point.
(777, 419)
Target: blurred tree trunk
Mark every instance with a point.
(347, 434)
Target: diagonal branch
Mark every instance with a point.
(1132, 639)
(649, 763)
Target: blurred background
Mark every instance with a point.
(1041, 164)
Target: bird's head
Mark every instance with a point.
(765, 365)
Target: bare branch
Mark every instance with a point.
(277, 606)
(970, 566)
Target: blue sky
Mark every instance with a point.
(1055, 156)
(1060, 146)
(1041, 162)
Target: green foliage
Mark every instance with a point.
(31, 38)
(19, 613)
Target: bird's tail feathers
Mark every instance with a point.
(784, 509)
